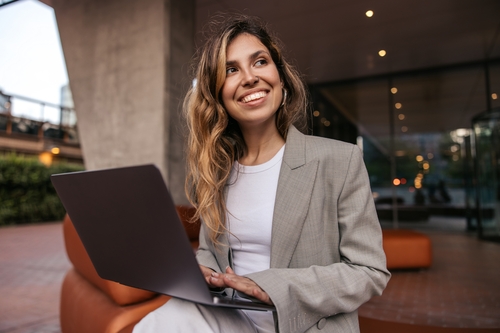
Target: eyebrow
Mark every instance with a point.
(251, 57)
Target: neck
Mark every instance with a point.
(262, 144)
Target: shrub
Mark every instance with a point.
(26, 193)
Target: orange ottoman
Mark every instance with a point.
(85, 308)
(406, 249)
(91, 304)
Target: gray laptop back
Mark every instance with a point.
(129, 226)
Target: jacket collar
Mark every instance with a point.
(293, 196)
(295, 150)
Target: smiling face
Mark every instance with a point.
(252, 89)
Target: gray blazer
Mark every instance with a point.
(326, 248)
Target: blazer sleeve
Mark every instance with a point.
(205, 253)
(303, 296)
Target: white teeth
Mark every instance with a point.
(253, 97)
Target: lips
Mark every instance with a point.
(254, 96)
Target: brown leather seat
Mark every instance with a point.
(92, 304)
(407, 249)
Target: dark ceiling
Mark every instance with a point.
(333, 40)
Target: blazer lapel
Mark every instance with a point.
(293, 196)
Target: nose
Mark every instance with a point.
(250, 78)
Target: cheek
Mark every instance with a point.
(227, 93)
(279, 93)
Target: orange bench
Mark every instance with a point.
(406, 249)
(91, 304)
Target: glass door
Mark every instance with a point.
(487, 136)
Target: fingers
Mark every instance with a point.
(217, 280)
(239, 283)
(205, 271)
(246, 286)
(212, 278)
(262, 296)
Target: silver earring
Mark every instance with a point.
(284, 97)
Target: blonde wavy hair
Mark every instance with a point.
(215, 140)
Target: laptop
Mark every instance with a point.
(129, 225)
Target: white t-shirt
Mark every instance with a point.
(250, 205)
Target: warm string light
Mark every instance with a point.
(418, 180)
(325, 121)
(397, 181)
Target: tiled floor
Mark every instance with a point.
(461, 289)
(32, 266)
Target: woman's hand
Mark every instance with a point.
(236, 282)
(207, 274)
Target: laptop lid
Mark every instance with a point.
(130, 228)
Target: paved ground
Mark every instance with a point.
(32, 267)
(461, 289)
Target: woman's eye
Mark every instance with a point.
(261, 62)
(230, 70)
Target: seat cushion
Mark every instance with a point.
(407, 249)
(84, 308)
(120, 294)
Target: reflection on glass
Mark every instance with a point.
(426, 167)
(487, 135)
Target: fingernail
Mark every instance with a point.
(214, 274)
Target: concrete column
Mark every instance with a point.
(127, 63)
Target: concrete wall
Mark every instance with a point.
(127, 66)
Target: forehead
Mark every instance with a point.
(244, 45)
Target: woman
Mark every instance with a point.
(287, 218)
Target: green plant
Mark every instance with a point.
(26, 193)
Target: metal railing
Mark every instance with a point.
(64, 128)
